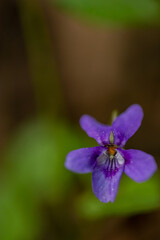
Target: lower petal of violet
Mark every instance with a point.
(105, 181)
(140, 166)
(83, 160)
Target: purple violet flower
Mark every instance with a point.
(108, 161)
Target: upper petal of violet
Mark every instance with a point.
(83, 160)
(100, 132)
(140, 166)
(126, 124)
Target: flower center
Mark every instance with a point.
(112, 150)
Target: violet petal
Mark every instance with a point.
(82, 160)
(140, 166)
(105, 184)
(100, 132)
(126, 124)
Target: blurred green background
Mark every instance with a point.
(60, 59)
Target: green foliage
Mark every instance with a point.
(36, 157)
(132, 198)
(19, 218)
(34, 173)
(113, 11)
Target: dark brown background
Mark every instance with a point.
(100, 69)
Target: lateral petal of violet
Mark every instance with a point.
(83, 160)
(126, 124)
(100, 132)
(140, 166)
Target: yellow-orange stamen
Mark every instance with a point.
(112, 150)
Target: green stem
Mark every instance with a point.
(40, 57)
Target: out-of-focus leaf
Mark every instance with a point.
(113, 11)
(34, 173)
(132, 198)
(36, 158)
(19, 218)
